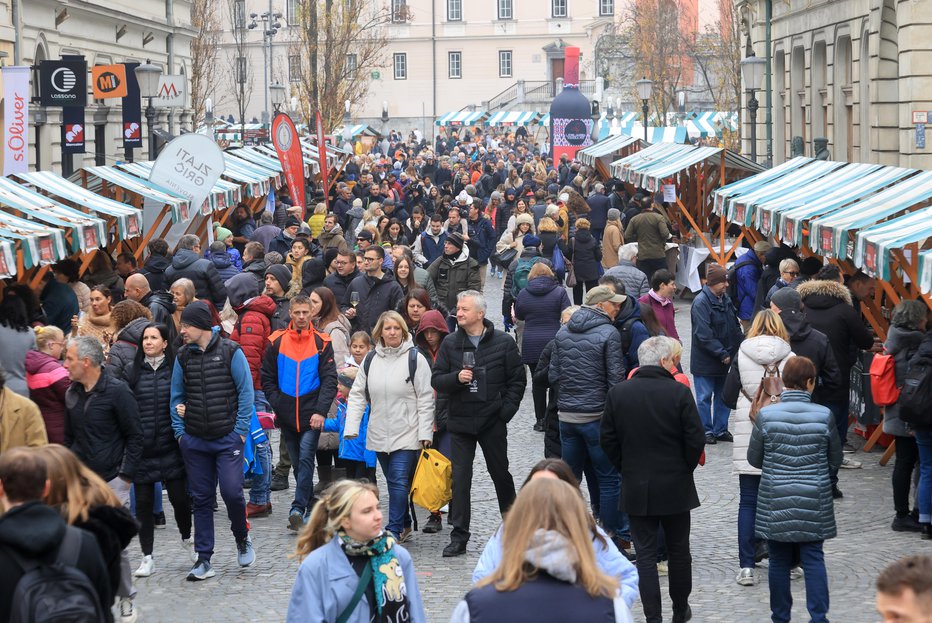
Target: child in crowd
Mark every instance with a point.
(359, 462)
(360, 345)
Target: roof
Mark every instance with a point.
(40, 244)
(356, 130)
(257, 180)
(651, 165)
(179, 206)
(462, 118)
(658, 134)
(513, 117)
(223, 194)
(872, 245)
(605, 147)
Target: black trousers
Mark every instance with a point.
(539, 392)
(649, 267)
(145, 500)
(578, 290)
(644, 531)
(494, 443)
(907, 456)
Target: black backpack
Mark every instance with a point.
(916, 394)
(58, 592)
(732, 276)
(412, 368)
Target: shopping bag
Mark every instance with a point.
(432, 485)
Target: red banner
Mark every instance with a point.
(322, 152)
(288, 147)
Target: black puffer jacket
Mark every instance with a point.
(587, 361)
(162, 306)
(154, 271)
(339, 285)
(586, 254)
(500, 380)
(207, 282)
(375, 296)
(161, 456)
(813, 344)
(124, 348)
(257, 269)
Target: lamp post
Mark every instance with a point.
(294, 107)
(147, 75)
(40, 117)
(270, 28)
(277, 94)
(209, 117)
(681, 101)
(596, 115)
(644, 87)
(347, 123)
(752, 71)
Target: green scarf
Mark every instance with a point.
(391, 594)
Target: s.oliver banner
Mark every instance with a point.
(322, 153)
(132, 110)
(288, 147)
(63, 82)
(15, 120)
(72, 130)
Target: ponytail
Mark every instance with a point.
(334, 506)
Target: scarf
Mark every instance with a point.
(155, 362)
(391, 594)
(660, 299)
(551, 552)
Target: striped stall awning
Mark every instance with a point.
(128, 219)
(544, 120)
(266, 157)
(604, 148)
(311, 166)
(462, 118)
(39, 243)
(357, 130)
(872, 245)
(513, 118)
(223, 194)
(257, 180)
(179, 206)
(649, 167)
(662, 134)
(728, 196)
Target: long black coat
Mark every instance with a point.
(652, 433)
(586, 254)
(161, 456)
(813, 344)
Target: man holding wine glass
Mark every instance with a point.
(479, 369)
(377, 290)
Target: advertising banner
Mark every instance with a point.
(15, 120)
(63, 82)
(172, 91)
(189, 165)
(108, 81)
(132, 110)
(72, 130)
(322, 152)
(288, 147)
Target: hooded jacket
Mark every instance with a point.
(452, 276)
(716, 333)
(748, 272)
(257, 269)
(586, 254)
(333, 239)
(651, 231)
(508, 299)
(632, 330)
(375, 297)
(124, 347)
(48, 382)
(636, 282)
(207, 281)
(808, 342)
(161, 305)
(539, 305)
(429, 245)
(281, 244)
(224, 264)
(339, 285)
(481, 239)
(903, 344)
(252, 330)
(154, 271)
(587, 352)
(434, 319)
(401, 411)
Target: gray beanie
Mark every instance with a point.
(787, 299)
(496, 196)
(614, 214)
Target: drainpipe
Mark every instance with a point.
(170, 47)
(433, 44)
(768, 15)
(17, 54)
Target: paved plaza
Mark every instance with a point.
(260, 593)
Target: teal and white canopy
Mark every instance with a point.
(661, 134)
(310, 165)
(872, 245)
(40, 243)
(651, 166)
(179, 206)
(256, 179)
(710, 123)
(462, 118)
(605, 148)
(222, 195)
(357, 130)
(512, 118)
(544, 120)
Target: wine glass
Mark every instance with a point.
(354, 299)
(469, 360)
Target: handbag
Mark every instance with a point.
(360, 589)
(570, 272)
(505, 258)
(432, 485)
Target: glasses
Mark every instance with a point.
(792, 273)
(370, 259)
(361, 239)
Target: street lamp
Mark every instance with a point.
(294, 107)
(209, 117)
(752, 71)
(270, 28)
(147, 75)
(277, 94)
(681, 101)
(347, 121)
(384, 112)
(644, 87)
(596, 114)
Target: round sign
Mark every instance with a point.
(376, 75)
(576, 132)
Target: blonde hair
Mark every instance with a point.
(334, 506)
(567, 313)
(539, 269)
(547, 224)
(73, 488)
(320, 208)
(386, 316)
(768, 322)
(582, 223)
(553, 505)
(44, 335)
(376, 236)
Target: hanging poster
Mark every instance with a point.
(288, 147)
(15, 120)
(72, 130)
(63, 82)
(132, 110)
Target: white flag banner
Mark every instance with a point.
(189, 165)
(15, 120)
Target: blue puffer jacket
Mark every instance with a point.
(748, 271)
(716, 334)
(794, 443)
(351, 449)
(632, 331)
(539, 305)
(587, 350)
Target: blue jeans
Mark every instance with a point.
(812, 561)
(747, 511)
(262, 483)
(301, 448)
(398, 469)
(157, 503)
(581, 441)
(712, 411)
(924, 492)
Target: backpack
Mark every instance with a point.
(626, 337)
(412, 369)
(432, 484)
(732, 276)
(916, 394)
(522, 271)
(883, 380)
(768, 392)
(58, 592)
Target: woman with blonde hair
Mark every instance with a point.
(548, 571)
(764, 352)
(48, 380)
(401, 415)
(351, 569)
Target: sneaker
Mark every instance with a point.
(405, 535)
(847, 463)
(796, 573)
(683, 616)
(258, 510)
(188, 544)
(434, 524)
(455, 548)
(905, 524)
(539, 427)
(726, 437)
(127, 610)
(201, 571)
(662, 569)
(245, 554)
(848, 448)
(159, 520)
(279, 483)
(295, 520)
(746, 577)
(836, 492)
(146, 567)
(926, 532)
(710, 439)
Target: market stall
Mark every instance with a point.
(514, 118)
(602, 154)
(462, 118)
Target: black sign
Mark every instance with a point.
(73, 130)
(132, 110)
(63, 83)
(576, 132)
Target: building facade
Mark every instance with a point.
(855, 72)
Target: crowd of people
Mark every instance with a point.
(361, 331)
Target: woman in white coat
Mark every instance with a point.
(767, 345)
(401, 416)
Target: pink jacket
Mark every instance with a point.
(664, 313)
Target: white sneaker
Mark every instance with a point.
(662, 569)
(127, 611)
(847, 463)
(188, 544)
(146, 567)
(796, 573)
(746, 577)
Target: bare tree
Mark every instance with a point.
(205, 21)
(239, 68)
(718, 59)
(341, 42)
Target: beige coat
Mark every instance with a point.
(21, 423)
(612, 240)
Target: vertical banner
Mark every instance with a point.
(132, 110)
(322, 153)
(288, 147)
(72, 130)
(15, 120)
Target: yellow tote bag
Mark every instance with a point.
(432, 486)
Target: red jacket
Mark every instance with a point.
(48, 381)
(252, 331)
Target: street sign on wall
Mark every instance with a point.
(172, 92)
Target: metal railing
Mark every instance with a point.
(533, 92)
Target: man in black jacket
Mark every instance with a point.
(254, 262)
(378, 291)
(188, 263)
(160, 304)
(483, 397)
(651, 431)
(339, 280)
(156, 264)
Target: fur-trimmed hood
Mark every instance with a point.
(821, 294)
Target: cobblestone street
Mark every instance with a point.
(260, 593)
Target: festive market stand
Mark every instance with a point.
(602, 154)
(513, 118)
(462, 118)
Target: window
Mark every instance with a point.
(241, 69)
(294, 68)
(239, 14)
(504, 64)
(455, 64)
(291, 12)
(506, 9)
(606, 7)
(401, 66)
(558, 8)
(399, 11)
(454, 10)
(351, 64)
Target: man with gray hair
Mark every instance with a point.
(599, 205)
(479, 369)
(636, 282)
(789, 271)
(652, 433)
(187, 262)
